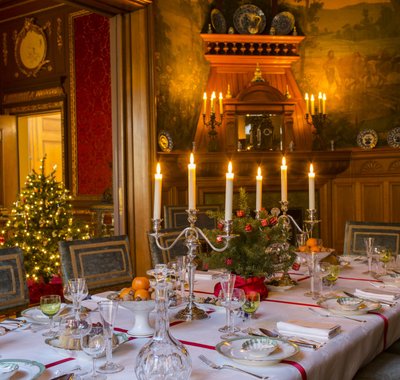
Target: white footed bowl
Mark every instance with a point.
(140, 311)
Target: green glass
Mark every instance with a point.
(50, 306)
(252, 303)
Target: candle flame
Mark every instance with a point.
(205, 96)
(230, 167)
(220, 95)
(213, 95)
(306, 96)
(324, 96)
(311, 168)
(283, 161)
(320, 95)
(312, 97)
(158, 168)
(259, 172)
(191, 159)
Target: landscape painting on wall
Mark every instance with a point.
(352, 53)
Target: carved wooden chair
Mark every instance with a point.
(104, 262)
(13, 288)
(176, 216)
(384, 234)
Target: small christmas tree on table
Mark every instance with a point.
(40, 218)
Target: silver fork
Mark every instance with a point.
(336, 316)
(227, 366)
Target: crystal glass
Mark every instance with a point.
(182, 263)
(227, 281)
(79, 291)
(384, 255)
(232, 303)
(163, 357)
(108, 312)
(369, 250)
(93, 343)
(75, 325)
(329, 273)
(50, 306)
(251, 303)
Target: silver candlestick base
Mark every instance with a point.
(311, 221)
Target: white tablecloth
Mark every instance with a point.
(339, 358)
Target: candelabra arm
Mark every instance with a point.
(295, 223)
(158, 235)
(226, 237)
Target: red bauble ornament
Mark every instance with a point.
(248, 228)
(240, 213)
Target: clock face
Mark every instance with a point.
(32, 49)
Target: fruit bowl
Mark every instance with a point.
(140, 311)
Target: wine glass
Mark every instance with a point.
(79, 291)
(108, 312)
(232, 303)
(93, 343)
(384, 256)
(182, 263)
(329, 274)
(50, 306)
(251, 303)
(67, 292)
(75, 325)
(369, 249)
(227, 284)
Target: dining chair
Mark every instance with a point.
(384, 234)
(104, 262)
(13, 287)
(167, 237)
(386, 366)
(177, 217)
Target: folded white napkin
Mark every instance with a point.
(377, 294)
(101, 296)
(209, 275)
(308, 329)
(89, 304)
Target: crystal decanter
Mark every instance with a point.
(163, 357)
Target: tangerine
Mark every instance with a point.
(140, 283)
(142, 294)
(125, 291)
(312, 242)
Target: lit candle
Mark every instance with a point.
(324, 103)
(157, 193)
(192, 183)
(258, 190)
(204, 103)
(221, 110)
(311, 188)
(307, 103)
(312, 104)
(212, 101)
(229, 193)
(283, 180)
(320, 102)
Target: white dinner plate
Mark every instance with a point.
(333, 307)
(27, 369)
(34, 314)
(233, 349)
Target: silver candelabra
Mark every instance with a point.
(192, 233)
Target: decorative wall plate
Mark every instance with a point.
(249, 19)
(393, 138)
(218, 21)
(165, 141)
(367, 139)
(283, 23)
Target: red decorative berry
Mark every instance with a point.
(219, 239)
(248, 227)
(240, 213)
(229, 261)
(264, 222)
(220, 226)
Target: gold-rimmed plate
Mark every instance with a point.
(333, 307)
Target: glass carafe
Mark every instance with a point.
(163, 357)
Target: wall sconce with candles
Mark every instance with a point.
(316, 116)
(212, 123)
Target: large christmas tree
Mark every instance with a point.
(40, 218)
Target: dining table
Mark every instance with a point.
(359, 341)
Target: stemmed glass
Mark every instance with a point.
(369, 249)
(79, 291)
(329, 274)
(384, 256)
(93, 343)
(251, 303)
(232, 303)
(227, 285)
(108, 312)
(50, 306)
(182, 263)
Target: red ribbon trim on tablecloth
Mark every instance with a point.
(385, 327)
(293, 303)
(300, 368)
(358, 279)
(59, 362)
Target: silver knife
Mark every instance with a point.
(369, 299)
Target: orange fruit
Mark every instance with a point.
(124, 292)
(303, 248)
(140, 283)
(315, 248)
(312, 242)
(143, 294)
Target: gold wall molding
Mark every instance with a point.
(59, 34)
(29, 96)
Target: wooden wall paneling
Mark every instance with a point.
(394, 201)
(325, 209)
(343, 210)
(372, 200)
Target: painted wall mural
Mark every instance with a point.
(351, 53)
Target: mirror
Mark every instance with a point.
(260, 131)
(40, 135)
